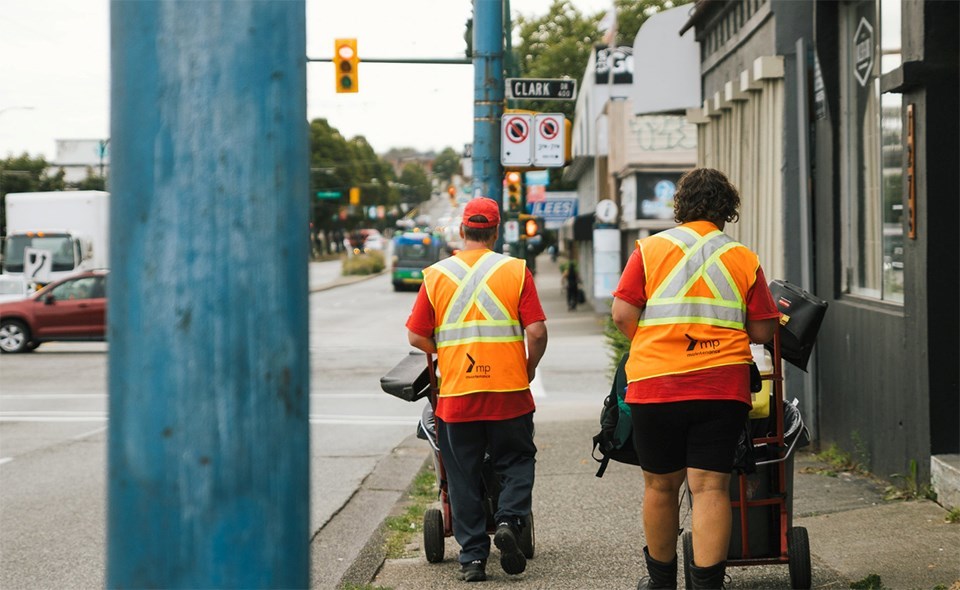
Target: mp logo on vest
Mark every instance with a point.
(475, 371)
(698, 347)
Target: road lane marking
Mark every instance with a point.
(5, 460)
(364, 420)
(356, 420)
(74, 396)
(59, 396)
(53, 416)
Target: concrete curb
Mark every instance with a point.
(349, 547)
(372, 555)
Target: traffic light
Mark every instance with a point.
(345, 62)
(513, 190)
(531, 228)
(531, 225)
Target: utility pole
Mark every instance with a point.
(208, 480)
(487, 98)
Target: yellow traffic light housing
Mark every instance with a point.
(514, 196)
(345, 65)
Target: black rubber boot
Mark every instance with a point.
(708, 578)
(659, 574)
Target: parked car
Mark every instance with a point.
(73, 308)
(373, 242)
(14, 288)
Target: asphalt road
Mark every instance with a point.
(53, 427)
(53, 432)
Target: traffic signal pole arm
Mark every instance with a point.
(404, 60)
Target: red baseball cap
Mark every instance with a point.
(482, 206)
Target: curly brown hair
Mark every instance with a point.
(705, 193)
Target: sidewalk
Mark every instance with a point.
(588, 530)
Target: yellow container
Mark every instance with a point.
(761, 399)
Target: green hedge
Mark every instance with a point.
(363, 264)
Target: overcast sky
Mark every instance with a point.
(54, 71)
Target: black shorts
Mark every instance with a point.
(702, 434)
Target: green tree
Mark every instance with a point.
(92, 182)
(339, 164)
(631, 14)
(414, 177)
(24, 174)
(447, 164)
(330, 170)
(555, 45)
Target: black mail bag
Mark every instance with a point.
(801, 316)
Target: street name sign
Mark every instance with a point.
(328, 194)
(542, 88)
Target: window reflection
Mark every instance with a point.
(872, 210)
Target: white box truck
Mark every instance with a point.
(69, 229)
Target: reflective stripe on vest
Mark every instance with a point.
(701, 260)
(472, 289)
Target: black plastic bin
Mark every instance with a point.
(762, 484)
(409, 379)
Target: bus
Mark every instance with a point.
(413, 252)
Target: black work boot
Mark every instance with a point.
(507, 540)
(708, 578)
(659, 574)
(475, 571)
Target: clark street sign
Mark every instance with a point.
(542, 89)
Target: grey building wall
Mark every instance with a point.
(774, 29)
(888, 390)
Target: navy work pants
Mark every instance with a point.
(511, 449)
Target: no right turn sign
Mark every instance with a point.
(550, 141)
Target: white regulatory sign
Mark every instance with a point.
(511, 231)
(516, 143)
(550, 141)
(37, 264)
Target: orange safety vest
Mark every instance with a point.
(697, 280)
(479, 338)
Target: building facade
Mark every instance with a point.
(839, 122)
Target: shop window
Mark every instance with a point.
(872, 152)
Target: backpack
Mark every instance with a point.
(615, 439)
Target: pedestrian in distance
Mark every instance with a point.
(474, 310)
(691, 299)
(571, 282)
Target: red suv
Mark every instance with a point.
(73, 308)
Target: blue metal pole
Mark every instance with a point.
(487, 98)
(209, 364)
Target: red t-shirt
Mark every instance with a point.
(482, 405)
(728, 382)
